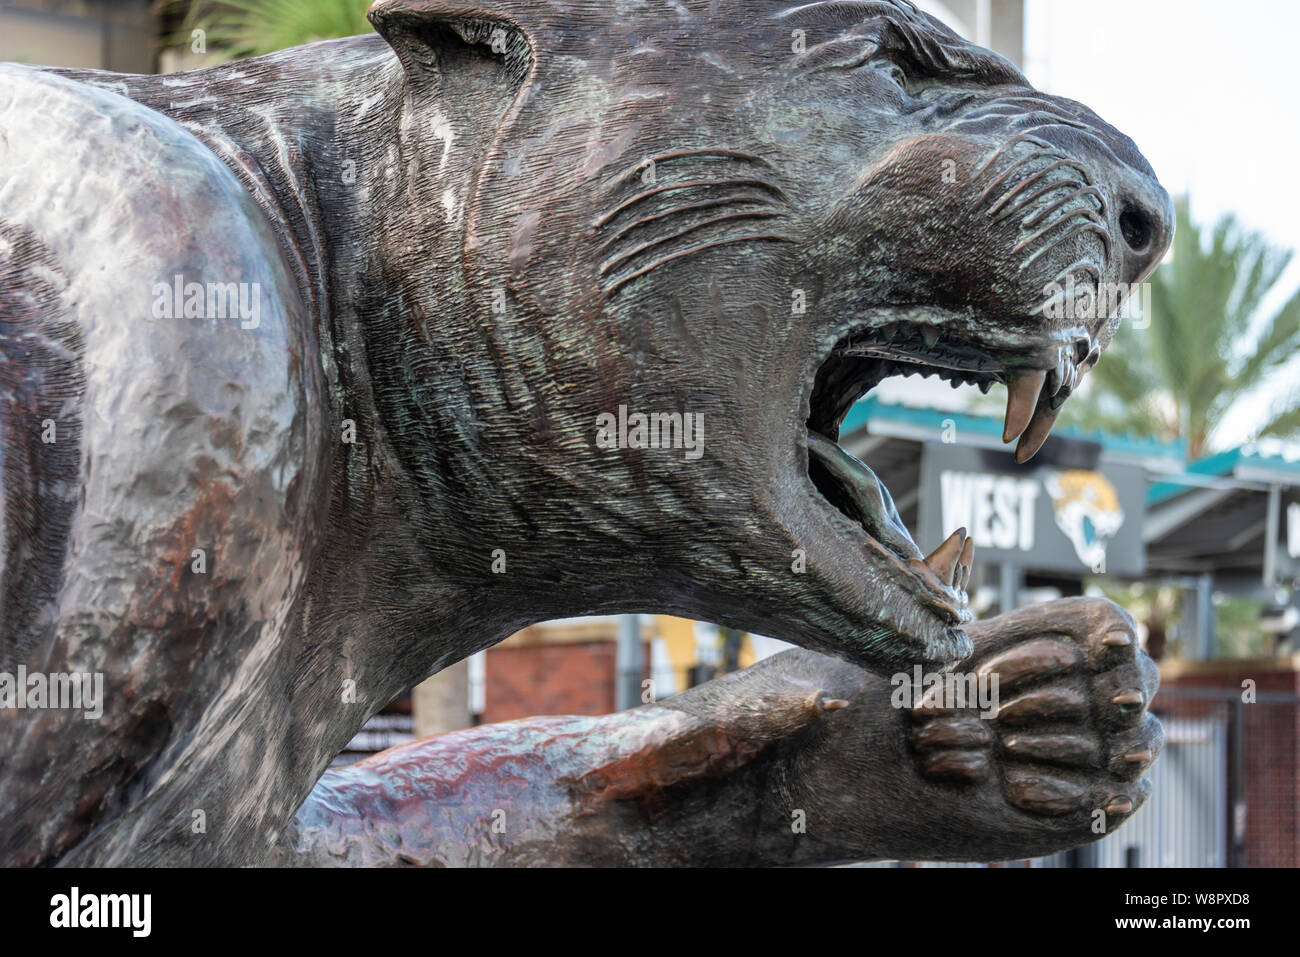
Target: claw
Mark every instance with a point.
(1119, 806)
(1128, 701)
(1117, 639)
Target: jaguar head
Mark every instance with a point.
(754, 213)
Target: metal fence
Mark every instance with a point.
(1224, 792)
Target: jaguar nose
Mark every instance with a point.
(1146, 226)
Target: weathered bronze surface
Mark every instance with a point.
(262, 528)
(799, 760)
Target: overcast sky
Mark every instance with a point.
(1209, 90)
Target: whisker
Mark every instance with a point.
(692, 184)
(1077, 267)
(1035, 177)
(646, 247)
(1033, 197)
(689, 208)
(1015, 166)
(1018, 138)
(1086, 227)
(636, 170)
(775, 237)
(1032, 221)
(1030, 240)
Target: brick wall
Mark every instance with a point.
(549, 679)
(1271, 766)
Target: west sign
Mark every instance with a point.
(1050, 516)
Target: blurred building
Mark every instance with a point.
(118, 35)
(996, 24)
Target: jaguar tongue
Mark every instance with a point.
(862, 496)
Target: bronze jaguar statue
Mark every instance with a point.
(302, 361)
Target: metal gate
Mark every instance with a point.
(1223, 792)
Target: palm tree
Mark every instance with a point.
(244, 28)
(1206, 347)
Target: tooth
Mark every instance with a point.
(1067, 388)
(1022, 399)
(966, 562)
(1040, 427)
(1063, 366)
(930, 336)
(986, 385)
(943, 560)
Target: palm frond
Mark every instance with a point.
(236, 29)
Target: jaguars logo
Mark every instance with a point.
(1087, 510)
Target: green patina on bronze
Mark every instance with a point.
(475, 234)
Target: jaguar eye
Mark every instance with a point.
(897, 75)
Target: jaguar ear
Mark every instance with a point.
(514, 29)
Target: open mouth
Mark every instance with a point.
(1040, 372)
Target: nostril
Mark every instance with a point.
(1137, 228)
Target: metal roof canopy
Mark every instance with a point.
(1226, 515)
(1212, 516)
